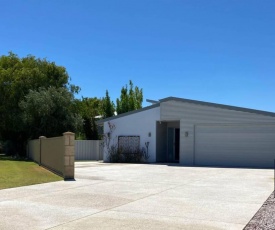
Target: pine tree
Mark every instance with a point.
(108, 106)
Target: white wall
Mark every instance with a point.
(191, 114)
(137, 124)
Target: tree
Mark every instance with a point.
(48, 112)
(89, 109)
(17, 77)
(90, 129)
(129, 100)
(108, 107)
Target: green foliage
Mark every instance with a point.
(129, 100)
(108, 107)
(90, 129)
(48, 112)
(120, 155)
(89, 108)
(36, 99)
(18, 78)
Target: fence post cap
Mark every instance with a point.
(68, 133)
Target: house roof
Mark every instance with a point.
(128, 113)
(229, 107)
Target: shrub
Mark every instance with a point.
(120, 155)
(114, 154)
(9, 147)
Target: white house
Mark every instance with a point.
(199, 133)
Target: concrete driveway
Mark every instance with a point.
(136, 196)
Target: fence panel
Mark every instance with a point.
(88, 150)
(56, 153)
(52, 151)
(34, 150)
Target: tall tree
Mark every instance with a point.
(17, 77)
(90, 129)
(129, 100)
(108, 107)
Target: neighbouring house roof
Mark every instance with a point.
(157, 104)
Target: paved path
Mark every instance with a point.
(134, 196)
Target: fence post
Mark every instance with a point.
(69, 155)
(40, 148)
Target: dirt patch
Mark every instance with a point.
(265, 217)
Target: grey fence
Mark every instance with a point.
(89, 150)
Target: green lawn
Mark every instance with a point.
(15, 173)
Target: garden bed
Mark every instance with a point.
(265, 217)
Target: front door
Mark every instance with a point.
(173, 145)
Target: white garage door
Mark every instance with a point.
(251, 145)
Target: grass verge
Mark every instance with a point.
(15, 173)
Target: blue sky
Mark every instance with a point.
(220, 51)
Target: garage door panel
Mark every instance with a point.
(235, 145)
